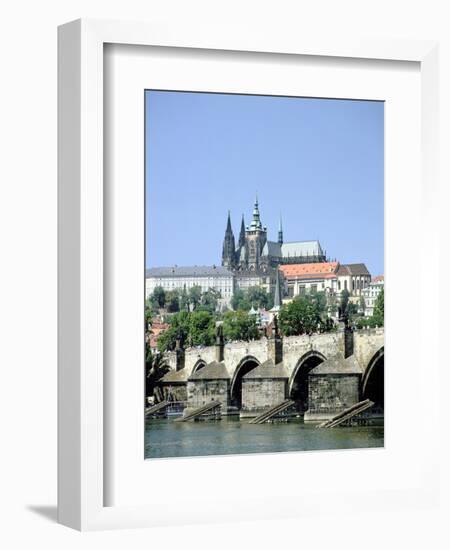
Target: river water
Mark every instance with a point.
(166, 438)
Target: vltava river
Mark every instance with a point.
(166, 438)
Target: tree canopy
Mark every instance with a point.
(377, 319)
(300, 316)
(238, 325)
(255, 296)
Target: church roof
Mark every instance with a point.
(272, 248)
(321, 270)
(212, 371)
(189, 271)
(301, 248)
(353, 269)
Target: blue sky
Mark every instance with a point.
(320, 162)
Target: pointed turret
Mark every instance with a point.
(280, 231)
(241, 242)
(277, 298)
(228, 250)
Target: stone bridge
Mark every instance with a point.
(293, 358)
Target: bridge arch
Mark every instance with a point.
(198, 365)
(298, 382)
(245, 365)
(372, 383)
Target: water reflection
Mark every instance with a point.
(165, 438)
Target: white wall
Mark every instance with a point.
(28, 252)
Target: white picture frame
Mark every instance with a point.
(82, 483)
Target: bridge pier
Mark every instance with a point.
(263, 388)
(334, 386)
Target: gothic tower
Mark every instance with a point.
(256, 236)
(228, 251)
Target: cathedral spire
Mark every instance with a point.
(280, 231)
(228, 229)
(256, 222)
(228, 250)
(241, 242)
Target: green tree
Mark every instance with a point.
(159, 296)
(184, 300)
(255, 296)
(240, 301)
(209, 300)
(362, 305)
(195, 294)
(172, 301)
(155, 369)
(377, 319)
(149, 311)
(300, 316)
(179, 328)
(238, 325)
(345, 297)
(259, 298)
(378, 310)
(319, 300)
(201, 328)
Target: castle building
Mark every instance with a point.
(255, 259)
(185, 277)
(254, 252)
(283, 269)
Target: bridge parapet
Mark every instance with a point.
(331, 344)
(366, 343)
(328, 344)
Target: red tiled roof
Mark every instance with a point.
(378, 279)
(157, 329)
(322, 270)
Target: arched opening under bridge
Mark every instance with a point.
(199, 365)
(298, 383)
(373, 382)
(245, 366)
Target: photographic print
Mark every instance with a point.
(264, 283)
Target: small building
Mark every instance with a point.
(157, 328)
(352, 277)
(333, 386)
(210, 383)
(371, 293)
(173, 385)
(309, 277)
(263, 387)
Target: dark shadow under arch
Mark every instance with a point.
(198, 365)
(298, 383)
(372, 383)
(245, 365)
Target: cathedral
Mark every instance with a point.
(255, 254)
